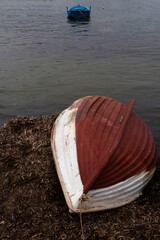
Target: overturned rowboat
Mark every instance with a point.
(104, 153)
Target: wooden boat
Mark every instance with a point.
(78, 12)
(104, 153)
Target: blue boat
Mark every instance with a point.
(79, 12)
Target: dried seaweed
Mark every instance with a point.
(32, 204)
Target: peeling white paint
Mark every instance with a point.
(66, 155)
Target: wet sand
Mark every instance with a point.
(32, 204)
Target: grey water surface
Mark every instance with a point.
(48, 61)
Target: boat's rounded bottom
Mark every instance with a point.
(77, 142)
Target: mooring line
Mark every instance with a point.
(81, 199)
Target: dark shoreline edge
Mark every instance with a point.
(32, 205)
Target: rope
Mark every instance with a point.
(81, 13)
(81, 199)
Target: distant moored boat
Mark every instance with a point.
(79, 12)
(104, 153)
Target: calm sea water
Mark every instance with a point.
(48, 61)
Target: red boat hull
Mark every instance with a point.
(113, 141)
(104, 153)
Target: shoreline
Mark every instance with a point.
(32, 204)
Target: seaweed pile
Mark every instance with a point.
(32, 205)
